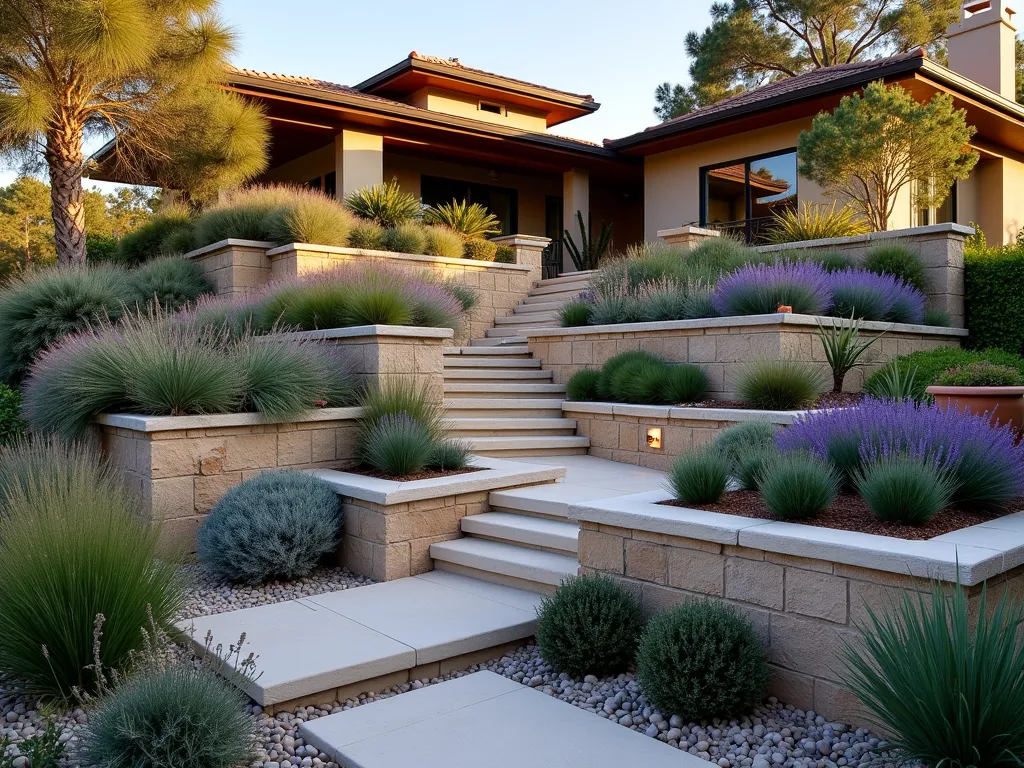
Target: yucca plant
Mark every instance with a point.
(589, 252)
(843, 348)
(384, 204)
(895, 383)
(944, 678)
(471, 220)
(814, 222)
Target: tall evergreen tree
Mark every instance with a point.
(143, 72)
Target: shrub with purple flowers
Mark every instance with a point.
(871, 296)
(985, 465)
(759, 289)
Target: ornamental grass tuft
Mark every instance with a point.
(779, 385)
(582, 387)
(449, 455)
(406, 237)
(699, 476)
(944, 678)
(904, 489)
(589, 626)
(277, 525)
(701, 661)
(898, 261)
(169, 283)
(397, 445)
(574, 314)
(443, 241)
(797, 486)
(683, 383)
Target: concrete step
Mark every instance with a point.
(511, 331)
(498, 341)
(469, 389)
(504, 560)
(568, 277)
(462, 426)
(530, 319)
(544, 306)
(536, 532)
(511, 444)
(510, 350)
(479, 361)
(497, 374)
(491, 407)
(569, 286)
(483, 719)
(549, 298)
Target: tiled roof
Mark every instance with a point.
(310, 82)
(456, 64)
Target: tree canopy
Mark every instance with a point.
(753, 42)
(143, 72)
(873, 145)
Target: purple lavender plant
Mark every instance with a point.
(986, 465)
(759, 289)
(871, 296)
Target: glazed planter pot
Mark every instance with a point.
(1005, 403)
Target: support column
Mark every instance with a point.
(358, 160)
(575, 197)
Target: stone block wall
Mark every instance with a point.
(181, 470)
(724, 346)
(234, 267)
(392, 541)
(802, 609)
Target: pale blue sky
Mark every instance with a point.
(616, 51)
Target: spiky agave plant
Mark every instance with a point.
(589, 252)
(385, 204)
(471, 220)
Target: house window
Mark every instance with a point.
(744, 195)
(502, 202)
(331, 184)
(941, 214)
(314, 183)
(489, 106)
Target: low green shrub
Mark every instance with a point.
(247, 214)
(77, 558)
(480, 250)
(640, 377)
(983, 374)
(283, 379)
(798, 486)
(100, 249)
(385, 204)
(169, 283)
(397, 445)
(640, 381)
(41, 308)
(311, 218)
(181, 717)
(368, 235)
(574, 314)
(612, 365)
(12, 426)
(701, 661)
(506, 254)
(930, 365)
(449, 455)
(377, 305)
(44, 749)
(735, 441)
(683, 383)
(898, 261)
(944, 678)
(749, 467)
(277, 525)
(905, 490)
(779, 385)
(582, 387)
(993, 301)
(165, 234)
(590, 626)
(445, 242)
(699, 476)
(407, 237)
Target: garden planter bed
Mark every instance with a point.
(427, 474)
(806, 589)
(390, 524)
(723, 345)
(619, 431)
(182, 465)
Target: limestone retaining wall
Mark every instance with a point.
(182, 465)
(722, 346)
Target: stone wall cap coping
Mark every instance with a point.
(979, 552)
(689, 229)
(363, 331)
(231, 242)
(391, 255)
(141, 423)
(532, 241)
(744, 321)
(497, 474)
(684, 412)
(909, 233)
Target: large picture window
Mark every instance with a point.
(502, 202)
(744, 195)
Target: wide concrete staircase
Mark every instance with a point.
(538, 310)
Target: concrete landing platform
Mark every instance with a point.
(483, 719)
(317, 648)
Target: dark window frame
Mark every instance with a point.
(469, 196)
(748, 198)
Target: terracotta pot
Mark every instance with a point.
(1006, 404)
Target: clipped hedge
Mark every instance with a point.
(993, 300)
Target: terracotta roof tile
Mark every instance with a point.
(323, 85)
(456, 64)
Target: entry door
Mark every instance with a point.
(553, 228)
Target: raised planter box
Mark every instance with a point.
(234, 267)
(806, 589)
(390, 525)
(378, 353)
(619, 432)
(182, 465)
(723, 345)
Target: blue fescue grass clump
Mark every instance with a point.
(699, 476)
(748, 447)
(590, 626)
(277, 525)
(779, 385)
(985, 464)
(180, 716)
(904, 489)
(797, 486)
(898, 261)
(398, 446)
(700, 661)
(761, 289)
(169, 283)
(945, 679)
(77, 557)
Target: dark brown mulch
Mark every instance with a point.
(825, 400)
(428, 474)
(849, 513)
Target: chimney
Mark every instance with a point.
(981, 45)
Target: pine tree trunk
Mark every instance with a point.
(65, 161)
